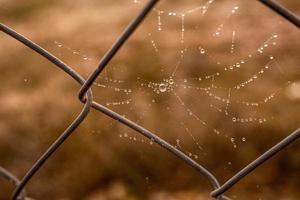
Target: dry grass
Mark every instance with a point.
(38, 101)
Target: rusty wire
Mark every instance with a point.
(85, 96)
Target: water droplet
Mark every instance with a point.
(244, 139)
(162, 87)
(202, 51)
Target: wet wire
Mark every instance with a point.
(85, 95)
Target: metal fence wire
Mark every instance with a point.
(86, 97)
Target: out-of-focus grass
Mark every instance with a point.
(39, 101)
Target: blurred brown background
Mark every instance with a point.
(235, 94)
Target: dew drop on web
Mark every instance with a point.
(162, 87)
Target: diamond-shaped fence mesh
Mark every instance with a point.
(86, 97)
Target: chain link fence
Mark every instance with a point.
(86, 97)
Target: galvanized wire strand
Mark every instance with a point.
(13, 179)
(153, 137)
(111, 113)
(42, 52)
(62, 138)
(281, 10)
(256, 163)
(9, 176)
(116, 46)
(74, 125)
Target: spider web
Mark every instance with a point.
(186, 66)
(195, 68)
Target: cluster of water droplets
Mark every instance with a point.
(172, 84)
(164, 86)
